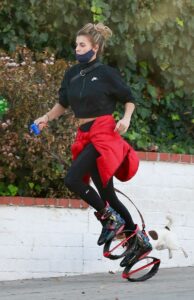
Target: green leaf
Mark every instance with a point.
(12, 189)
(179, 22)
(143, 68)
(175, 117)
(31, 185)
(44, 36)
(38, 188)
(93, 9)
(164, 66)
(144, 112)
(152, 91)
(98, 10)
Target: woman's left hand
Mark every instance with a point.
(122, 125)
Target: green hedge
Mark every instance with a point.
(163, 120)
(159, 32)
(39, 24)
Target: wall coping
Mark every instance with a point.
(43, 202)
(80, 204)
(166, 157)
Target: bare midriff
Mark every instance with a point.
(83, 121)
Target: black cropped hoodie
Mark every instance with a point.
(94, 94)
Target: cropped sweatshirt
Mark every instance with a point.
(94, 94)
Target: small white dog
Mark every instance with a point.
(166, 239)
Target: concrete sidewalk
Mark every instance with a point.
(168, 284)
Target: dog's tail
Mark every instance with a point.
(170, 222)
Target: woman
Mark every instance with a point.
(92, 89)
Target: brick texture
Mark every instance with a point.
(45, 202)
(167, 157)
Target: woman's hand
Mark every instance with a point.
(42, 122)
(122, 125)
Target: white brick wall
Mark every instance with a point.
(45, 242)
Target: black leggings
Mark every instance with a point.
(86, 163)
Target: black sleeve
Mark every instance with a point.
(119, 89)
(63, 96)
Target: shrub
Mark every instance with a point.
(27, 165)
(160, 32)
(163, 120)
(39, 24)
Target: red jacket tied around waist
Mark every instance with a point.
(116, 157)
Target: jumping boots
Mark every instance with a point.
(112, 224)
(140, 248)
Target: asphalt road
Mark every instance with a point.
(174, 283)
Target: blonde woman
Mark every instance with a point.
(92, 90)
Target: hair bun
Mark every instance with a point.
(97, 34)
(104, 30)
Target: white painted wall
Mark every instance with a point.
(45, 242)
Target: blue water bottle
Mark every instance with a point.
(34, 128)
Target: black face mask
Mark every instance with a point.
(84, 58)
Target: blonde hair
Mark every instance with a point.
(97, 33)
